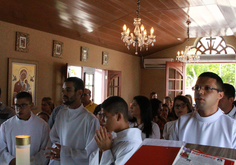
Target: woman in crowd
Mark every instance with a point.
(181, 107)
(156, 111)
(142, 118)
(99, 115)
(47, 105)
(190, 100)
(165, 111)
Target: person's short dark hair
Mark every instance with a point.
(229, 90)
(115, 104)
(78, 83)
(219, 81)
(97, 109)
(186, 101)
(168, 98)
(25, 95)
(43, 113)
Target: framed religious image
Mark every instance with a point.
(84, 54)
(57, 49)
(22, 42)
(105, 57)
(22, 76)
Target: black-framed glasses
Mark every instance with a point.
(182, 105)
(86, 94)
(206, 88)
(22, 106)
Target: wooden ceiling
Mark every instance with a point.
(100, 22)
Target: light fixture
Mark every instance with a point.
(139, 38)
(187, 55)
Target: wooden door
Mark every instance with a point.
(175, 79)
(114, 83)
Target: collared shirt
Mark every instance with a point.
(155, 130)
(124, 145)
(74, 130)
(232, 113)
(91, 107)
(38, 130)
(216, 130)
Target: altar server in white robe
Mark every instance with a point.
(24, 123)
(118, 147)
(74, 128)
(226, 103)
(208, 125)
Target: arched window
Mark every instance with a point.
(212, 45)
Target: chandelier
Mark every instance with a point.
(187, 55)
(139, 38)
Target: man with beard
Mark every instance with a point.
(74, 128)
(208, 125)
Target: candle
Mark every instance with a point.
(22, 143)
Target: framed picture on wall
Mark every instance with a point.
(22, 76)
(57, 49)
(22, 42)
(84, 54)
(105, 57)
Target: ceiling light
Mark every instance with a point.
(139, 37)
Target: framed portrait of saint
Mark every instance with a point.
(22, 42)
(57, 49)
(22, 76)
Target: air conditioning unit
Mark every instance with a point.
(156, 63)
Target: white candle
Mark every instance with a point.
(22, 149)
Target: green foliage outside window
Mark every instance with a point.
(225, 71)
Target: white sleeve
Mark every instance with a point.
(78, 154)
(155, 131)
(174, 133)
(39, 157)
(5, 156)
(165, 132)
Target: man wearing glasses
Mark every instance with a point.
(24, 123)
(87, 103)
(208, 125)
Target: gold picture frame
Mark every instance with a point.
(57, 49)
(105, 58)
(22, 76)
(22, 42)
(84, 54)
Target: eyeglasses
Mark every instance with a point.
(206, 88)
(182, 105)
(22, 106)
(86, 94)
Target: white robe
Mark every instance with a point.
(155, 130)
(38, 130)
(168, 128)
(216, 130)
(74, 130)
(124, 145)
(232, 113)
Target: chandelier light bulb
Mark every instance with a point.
(142, 27)
(124, 27)
(152, 31)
